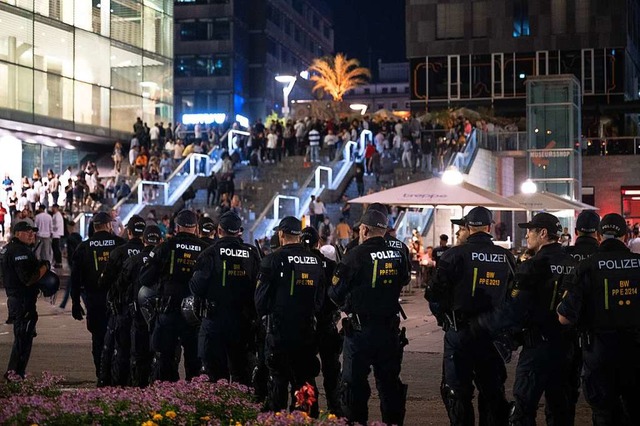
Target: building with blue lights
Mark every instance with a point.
(229, 51)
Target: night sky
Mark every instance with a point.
(369, 30)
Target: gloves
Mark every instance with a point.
(77, 312)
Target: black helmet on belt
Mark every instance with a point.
(49, 284)
(146, 302)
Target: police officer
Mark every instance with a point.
(168, 271)
(207, 229)
(224, 278)
(114, 362)
(128, 285)
(366, 286)
(329, 340)
(20, 271)
(586, 232)
(442, 247)
(545, 360)
(89, 260)
(289, 293)
(470, 279)
(463, 232)
(604, 301)
(585, 245)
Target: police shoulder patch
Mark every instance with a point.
(335, 280)
(515, 292)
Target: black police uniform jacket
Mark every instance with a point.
(20, 270)
(536, 293)
(369, 279)
(225, 274)
(118, 256)
(290, 289)
(392, 242)
(605, 295)
(170, 267)
(471, 278)
(329, 311)
(89, 260)
(584, 247)
(128, 284)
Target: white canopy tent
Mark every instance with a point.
(437, 194)
(548, 201)
(434, 192)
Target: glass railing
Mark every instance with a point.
(464, 159)
(419, 219)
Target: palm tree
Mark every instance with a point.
(338, 75)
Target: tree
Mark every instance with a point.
(336, 76)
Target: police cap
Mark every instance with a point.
(460, 222)
(24, 226)
(310, 236)
(375, 218)
(379, 207)
(479, 216)
(231, 222)
(187, 219)
(544, 221)
(152, 234)
(206, 225)
(613, 224)
(136, 225)
(274, 242)
(588, 222)
(290, 225)
(101, 218)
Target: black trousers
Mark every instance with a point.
(141, 354)
(329, 349)
(96, 304)
(611, 378)
(57, 253)
(542, 369)
(25, 318)
(470, 360)
(171, 331)
(376, 345)
(223, 345)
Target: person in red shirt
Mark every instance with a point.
(3, 212)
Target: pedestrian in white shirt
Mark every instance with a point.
(407, 154)
(44, 223)
(57, 232)
(32, 198)
(319, 211)
(314, 145)
(634, 243)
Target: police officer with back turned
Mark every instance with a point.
(207, 229)
(168, 271)
(529, 312)
(585, 245)
(289, 293)
(329, 340)
(89, 260)
(470, 279)
(20, 271)
(366, 286)
(604, 301)
(114, 362)
(224, 279)
(128, 285)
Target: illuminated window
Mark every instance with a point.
(520, 18)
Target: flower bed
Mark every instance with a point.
(42, 401)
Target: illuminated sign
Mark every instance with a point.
(217, 118)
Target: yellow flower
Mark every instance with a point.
(157, 417)
(304, 414)
(34, 424)
(238, 424)
(278, 414)
(205, 418)
(171, 414)
(331, 417)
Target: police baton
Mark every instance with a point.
(259, 247)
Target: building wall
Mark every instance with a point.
(86, 67)
(607, 174)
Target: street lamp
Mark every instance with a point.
(289, 81)
(529, 187)
(359, 107)
(452, 176)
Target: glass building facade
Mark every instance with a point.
(89, 66)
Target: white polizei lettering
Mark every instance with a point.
(234, 252)
(394, 244)
(189, 247)
(132, 252)
(489, 257)
(619, 264)
(23, 257)
(561, 269)
(387, 254)
(303, 260)
(103, 243)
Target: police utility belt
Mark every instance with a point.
(355, 322)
